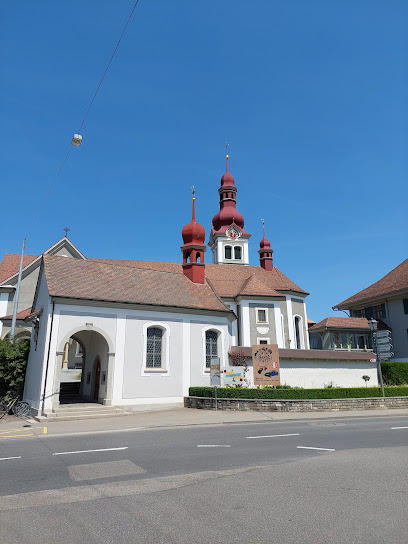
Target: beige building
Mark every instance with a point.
(385, 300)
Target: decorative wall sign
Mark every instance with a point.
(265, 359)
(233, 232)
(233, 376)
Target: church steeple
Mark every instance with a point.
(229, 239)
(265, 251)
(193, 248)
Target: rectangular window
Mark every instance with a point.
(405, 302)
(263, 340)
(261, 316)
(379, 311)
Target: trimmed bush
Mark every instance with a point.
(298, 394)
(394, 373)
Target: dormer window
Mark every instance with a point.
(228, 252)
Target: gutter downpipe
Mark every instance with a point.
(48, 360)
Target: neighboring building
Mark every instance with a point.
(149, 330)
(341, 333)
(9, 268)
(385, 300)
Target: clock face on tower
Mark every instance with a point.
(233, 232)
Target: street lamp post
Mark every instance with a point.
(373, 327)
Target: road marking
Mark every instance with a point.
(392, 428)
(273, 435)
(213, 446)
(310, 448)
(5, 458)
(90, 451)
(45, 430)
(15, 435)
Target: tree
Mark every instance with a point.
(13, 364)
(366, 379)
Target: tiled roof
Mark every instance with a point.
(346, 323)
(228, 280)
(10, 265)
(96, 280)
(394, 282)
(314, 354)
(21, 315)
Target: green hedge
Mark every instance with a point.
(394, 373)
(289, 394)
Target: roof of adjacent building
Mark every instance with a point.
(11, 263)
(393, 283)
(20, 315)
(313, 354)
(344, 323)
(114, 282)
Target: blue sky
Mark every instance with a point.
(310, 94)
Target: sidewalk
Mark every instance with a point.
(178, 417)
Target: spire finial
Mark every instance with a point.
(226, 151)
(263, 226)
(66, 231)
(193, 192)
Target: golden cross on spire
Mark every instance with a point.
(226, 150)
(193, 192)
(263, 225)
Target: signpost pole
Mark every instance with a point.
(215, 397)
(379, 372)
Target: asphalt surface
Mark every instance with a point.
(245, 483)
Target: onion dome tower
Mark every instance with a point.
(228, 239)
(265, 251)
(193, 248)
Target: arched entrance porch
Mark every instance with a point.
(84, 368)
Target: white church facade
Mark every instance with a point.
(148, 331)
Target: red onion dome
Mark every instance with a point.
(228, 215)
(193, 232)
(227, 179)
(264, 243)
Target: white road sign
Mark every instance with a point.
(383, 334)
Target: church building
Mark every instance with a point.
(147, 330)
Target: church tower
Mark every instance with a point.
(193, 249)
(228, 239)
(265, 252)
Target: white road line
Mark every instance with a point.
(5, 458)
(89, 451)
(310, 448)
(392, 428)
(273, 435)
(213, 446)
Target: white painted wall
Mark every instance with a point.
(3, 308)
(318, 374)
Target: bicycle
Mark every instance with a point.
(17, 407)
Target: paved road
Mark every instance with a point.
(308, 481)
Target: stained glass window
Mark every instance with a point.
(154, 347)
(211, 348)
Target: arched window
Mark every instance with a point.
(211, 347)
(154, 347)
(297, 331)
(228, 252)
(187, 257)
(198, 257)
(237, 252)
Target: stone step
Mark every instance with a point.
(54, 416)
